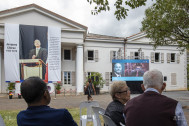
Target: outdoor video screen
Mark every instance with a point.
(129, 70)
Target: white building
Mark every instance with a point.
(83, 53)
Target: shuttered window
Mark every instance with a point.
(152, 57)
(67, 54)
(107, 78)
(131, 55)
(67, 77)
(73, 79)
(162, 57)
(168, 57)
(173, 79)
(90, 55)
(96, 55)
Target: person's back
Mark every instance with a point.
(35, 93)
(151, 108)
(45, 116)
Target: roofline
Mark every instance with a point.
(43, 9)
(136, 36)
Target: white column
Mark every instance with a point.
(79, 69)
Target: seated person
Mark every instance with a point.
(120, 94)
(35, 93)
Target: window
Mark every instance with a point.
(114, 54)
(136, 55)
(89, 74)
(67, 77)
(90, 55)
(157, 57)
(172, 57)
(67, 54)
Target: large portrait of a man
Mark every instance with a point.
(33, 47)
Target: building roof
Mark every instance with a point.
(98, 36)
(8, 12)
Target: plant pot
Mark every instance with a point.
(19, 96)
(10, 96)
(58, 91)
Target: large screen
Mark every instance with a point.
(129, 70)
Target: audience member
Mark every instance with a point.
(120, 94)
(151, 108)
(35, 93)
(90, 90)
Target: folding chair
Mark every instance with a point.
(96, 111)
(1, 121)
(90, 116)
(107, 120)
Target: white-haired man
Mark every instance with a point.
(151, 108)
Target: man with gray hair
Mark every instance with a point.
(151, 108)
(120, 95)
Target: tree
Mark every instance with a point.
(120, 5)
(167, 22)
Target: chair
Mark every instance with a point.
(1, 121)
(107, 120)
(96, 111)
(90, 116)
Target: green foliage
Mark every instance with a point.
(120, 5)
(11, 86)
(167, 22)
(100, 78)
(58, 87)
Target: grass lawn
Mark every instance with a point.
(9, 116)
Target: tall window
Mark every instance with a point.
(67, 54)
(136, 55)
(157, 57)
(88, 74)
(114, 54)
(90, 55)
(173, 57)
(67, 77)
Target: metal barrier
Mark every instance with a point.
(69, 92)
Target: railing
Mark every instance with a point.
(69, 92)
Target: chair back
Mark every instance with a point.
(96, 111)
(88, 105)
(107, 120)
(1, 121)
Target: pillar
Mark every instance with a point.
(79, 69)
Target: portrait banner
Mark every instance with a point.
(11, 52)
(54, 54)
(32, 51)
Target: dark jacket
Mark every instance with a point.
(150, 109)
(115, 112)
(45, 116)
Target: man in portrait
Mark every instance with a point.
(39, 53)
(117, 70)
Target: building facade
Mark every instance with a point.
(83, 53)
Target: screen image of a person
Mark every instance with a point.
(117, 70)
(39, 53)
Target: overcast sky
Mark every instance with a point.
(80, 11)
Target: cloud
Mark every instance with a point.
(80, 11)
